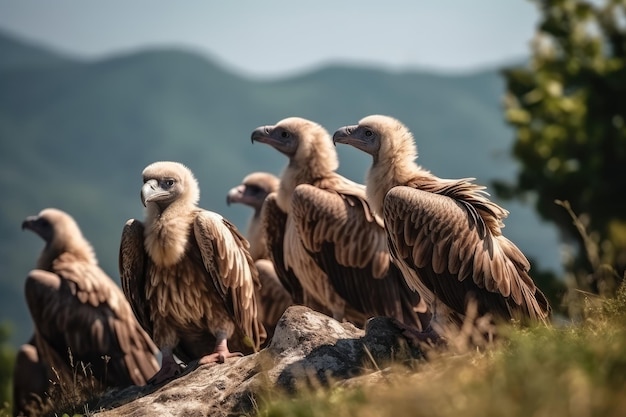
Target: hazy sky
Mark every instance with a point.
(271, 38)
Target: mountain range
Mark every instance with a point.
(75, 134)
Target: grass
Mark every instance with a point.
(70, 392)
(576, 367)
(571, 370)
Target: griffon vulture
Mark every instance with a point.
(444, 234)
(332, 242)
(188, 274)
(252, 192)
(79, 313)
(273, 298)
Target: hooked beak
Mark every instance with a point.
(269, 135)
(343, 135)
(235, 194)
(30, 223)
(261, 134)
(151, 192)
(358, 136)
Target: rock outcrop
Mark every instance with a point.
(309, 349)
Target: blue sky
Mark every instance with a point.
(275, 38)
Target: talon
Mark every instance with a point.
(219, 357)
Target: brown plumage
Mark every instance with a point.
(188, 274)
(75, 306)
(30, 380)
(273, 223)
(445, 234)
(273, 298)
(332, 242)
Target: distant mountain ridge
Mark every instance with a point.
(76, 135)
(18, 54)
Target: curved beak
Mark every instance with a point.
(38, 226)
(358, 136)
(269, 135)
(343, 135)
(261, 134)
(235, 194)
(30, 223)
(151, 192)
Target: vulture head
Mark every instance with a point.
(299, 139)
(61, 234)
(383, 137)
(165, 182)
(253, 190)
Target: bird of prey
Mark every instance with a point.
(252, 192)
(332, 242)
(79, 314)
(273, 298)
(188, 274)
(445, 234)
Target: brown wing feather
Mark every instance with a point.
(79, 308)
(455, 250)
(273, 298)
(274, 221)
(132, 259)
(225, 256)
(341, 234)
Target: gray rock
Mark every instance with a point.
(309, 349)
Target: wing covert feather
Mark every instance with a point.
(274, 221)
(456, 252)
(344, 220)
(350, 246)
(132, 262)
(67, 315)
(229, 265)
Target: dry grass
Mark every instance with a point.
(576, 370)
(70, 393)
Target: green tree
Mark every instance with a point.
(568, 109)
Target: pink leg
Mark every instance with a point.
(221, 352)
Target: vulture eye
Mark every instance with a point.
(368, 133)
(253, 189)
(168, 183)
(284, 134)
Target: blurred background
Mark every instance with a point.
(525, 96)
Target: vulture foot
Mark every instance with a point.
(219, 357)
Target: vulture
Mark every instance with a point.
(332, 242)
(445, 234)
(252, 192)
(273, 298)
(79, 315)
(188, 274)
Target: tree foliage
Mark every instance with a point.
(568, 109)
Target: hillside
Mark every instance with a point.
(76, 135)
